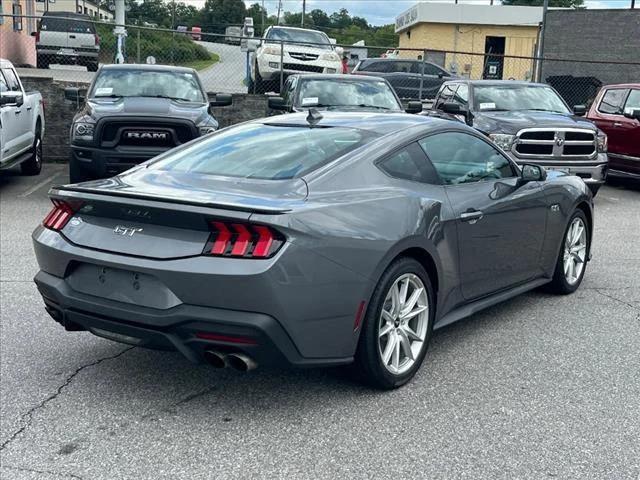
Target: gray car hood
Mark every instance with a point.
(144, 106)
(513, 121)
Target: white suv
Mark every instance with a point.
(303, 51)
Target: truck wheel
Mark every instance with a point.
(92, 67)
(77, 174)
(34, 164)
(42, 62)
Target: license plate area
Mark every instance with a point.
(67, 51)
(121, 285)
(558, 169)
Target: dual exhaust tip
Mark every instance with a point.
(237, 361)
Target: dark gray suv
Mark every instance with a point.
(411, 79)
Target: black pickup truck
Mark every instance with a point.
(530, 122)
(132, 113)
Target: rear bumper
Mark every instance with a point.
(257, 335)
(592, 172)
(54, 55)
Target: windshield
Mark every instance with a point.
(264, 151)
(517, 97)
(301, 36)
(347, 93)
(145, 83)
(55, 24)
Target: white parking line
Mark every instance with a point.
(38, 186)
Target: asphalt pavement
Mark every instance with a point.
(539, 387)
(225, 76)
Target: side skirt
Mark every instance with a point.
(486, 302)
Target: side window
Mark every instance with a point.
(429, 69)
(408, 163)
(3, 84)
(462, 158)
(446, 94)
(462, 95)
(612, 101)
(402, 67)
(12, 80)
(375, 67)
(633, 101)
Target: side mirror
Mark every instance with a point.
(75, 94)
(579, 110)
(253, 44)
(220, 99)
(532, 173)
(276, 103)
(11, 98)
(453, 108)
(632, 113)
(414, 107)
(440, 75)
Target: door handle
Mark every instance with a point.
(72, 36)
(471, 217)
(28, 109)
(17, 112)
(617, 124)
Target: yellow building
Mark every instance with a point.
(474, 41)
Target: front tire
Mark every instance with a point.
(572, 258)
(397, 327)
(33, 166)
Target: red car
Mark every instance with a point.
(616, 111)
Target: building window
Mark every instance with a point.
(17, 17)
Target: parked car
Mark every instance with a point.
(616, 111)
(531, 123)
(412, 79)
(67, 37)
(303, 50)
(132, 113)
(338, 92)
(311, 240)
(196, 33)
(21, 123)
(233, 35)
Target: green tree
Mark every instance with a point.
(150, 11)
(320, 18)
(217, 14)
(256, 12)
(539, 3)
(340, 19)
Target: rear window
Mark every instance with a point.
(265, 151)
(54, 24)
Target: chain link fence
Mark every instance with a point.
(71, 48)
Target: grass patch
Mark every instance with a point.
(201, 64)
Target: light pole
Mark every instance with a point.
(545, 7)
(120, 31)
(304, 8)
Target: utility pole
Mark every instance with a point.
(262, 14)
(633, 4)
(120, 31)
(304, 9)
(545, 7)
(279, 8)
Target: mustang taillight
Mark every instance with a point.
(233, 239)
(60, 214)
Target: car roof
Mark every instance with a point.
(4, 63)
(334, 76)
(622, 85)
(381, 123)
(147, 67)
(283, 27)
(394, 60)
(497, 82)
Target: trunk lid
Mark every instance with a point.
(167, 215)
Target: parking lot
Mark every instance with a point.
(539, 387)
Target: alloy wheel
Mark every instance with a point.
(575, 251)
(403, 323)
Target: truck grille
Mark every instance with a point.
(555, 143)
(145, 133)
(306, 57)
(301, 67)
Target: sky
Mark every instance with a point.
(382, 12)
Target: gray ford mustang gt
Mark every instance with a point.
(310, 240)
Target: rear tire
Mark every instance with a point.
(594, 188)
(92, 67)
(572, 257)
(77, 174)
(42, 62)
(33, 166)
(396, 330)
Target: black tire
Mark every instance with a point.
(33, 166)
(369, 366)
(559, 284)
(260, 86)
(42, 62)
(594, 188)
(77, 174)
(92, 67)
